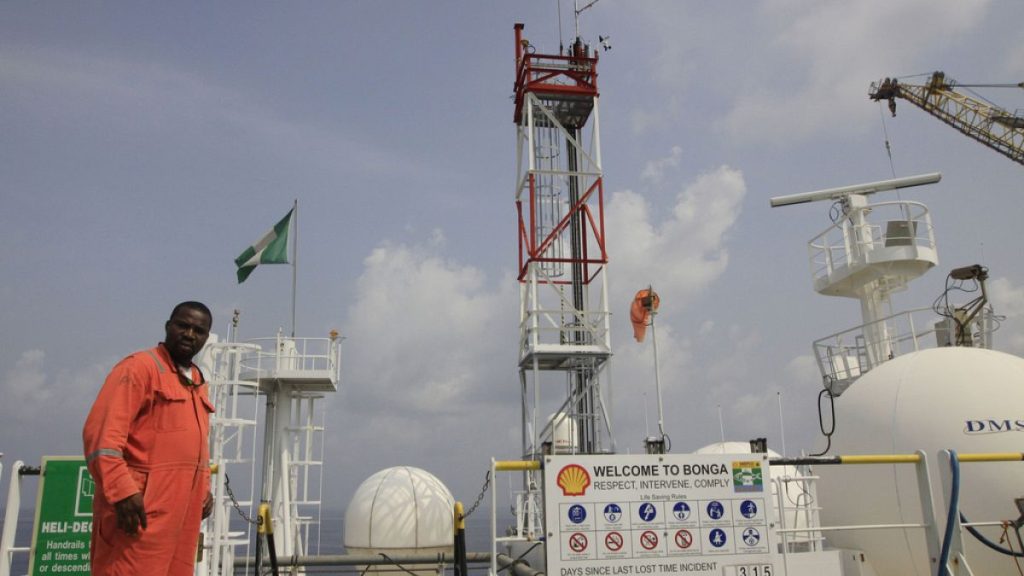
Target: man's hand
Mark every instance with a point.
(131, 513)
(207, 505)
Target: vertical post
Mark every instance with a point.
(494, 522)
(657, 377)
(924, 491)
(295, 257)
(13, 506)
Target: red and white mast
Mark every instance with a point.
(559, 192)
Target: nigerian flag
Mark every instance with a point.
(272, 248)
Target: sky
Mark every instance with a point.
(145, 145)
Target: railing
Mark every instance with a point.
(842, 357)
(282, 354)
(844, 244)
(508, 466)
(558, 327)
(11, 510)
(814, 530)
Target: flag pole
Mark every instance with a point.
(295, 258)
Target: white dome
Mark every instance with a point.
(400, 509)
(966, 399)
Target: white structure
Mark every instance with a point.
(856, 257)
(900, 394)
(959, 398)
(291, 375)
(400, 510)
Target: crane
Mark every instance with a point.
(989, 124)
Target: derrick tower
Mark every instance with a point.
(564, 342)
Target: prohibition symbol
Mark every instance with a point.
(649, 540)
(684, 539)
(578, 542)
(613, 541)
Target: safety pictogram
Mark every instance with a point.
(577, 514)
(612, 513)
(684, 539)
(647, 512)
(578, 542)
(613, 541)
(681, 511)
(649, 540)
(715, 510)
(751, 536)
(717, 537)
(748, 508)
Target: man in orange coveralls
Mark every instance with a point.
(146, 447)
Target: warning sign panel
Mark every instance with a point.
(648, 514)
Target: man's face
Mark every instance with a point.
(187, 331)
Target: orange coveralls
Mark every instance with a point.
(147, 432)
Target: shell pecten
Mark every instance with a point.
(573, 480)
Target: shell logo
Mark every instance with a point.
(573, 480)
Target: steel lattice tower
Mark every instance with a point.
(564, 323)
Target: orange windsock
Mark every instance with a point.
(644, 304)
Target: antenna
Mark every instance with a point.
(863, 189)
(577, 10)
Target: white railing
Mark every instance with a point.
(844, 244)
(843, 356)
(11, 510)
(283, 354)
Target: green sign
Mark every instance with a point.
(60, 536)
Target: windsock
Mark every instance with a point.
(644, 304)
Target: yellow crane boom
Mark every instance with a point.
(989, 124)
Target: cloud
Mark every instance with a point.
(795, 67)
(654, 170)
(33, 389)
(1008, 301)
(26, 382)
(680, 251)
(422, 329)
(819, 70)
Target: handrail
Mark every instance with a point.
(11, 510)
(503, 466)
(842, 356)
(834, 247)
(920, 462)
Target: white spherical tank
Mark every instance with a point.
(965, 399)
(400, 510)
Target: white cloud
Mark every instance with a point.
(828, 51)
(1008, 301)
(654, 171)
(682, 251)
(422, 328)
(26, 382)
(36, 392)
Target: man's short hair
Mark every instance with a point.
(193, 305)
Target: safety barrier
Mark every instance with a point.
(918, 459)
(505, 466)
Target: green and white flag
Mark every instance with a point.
(272, 248)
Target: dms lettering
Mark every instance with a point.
(992, 426)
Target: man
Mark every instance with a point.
(146, 447)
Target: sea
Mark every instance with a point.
(331, 539)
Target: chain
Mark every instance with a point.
(238, 507)
(487, 483)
